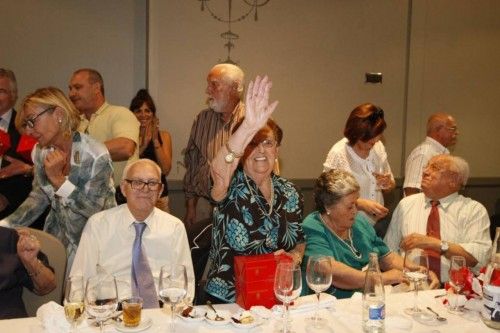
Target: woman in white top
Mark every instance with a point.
(362, 153)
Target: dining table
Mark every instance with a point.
(343, 315)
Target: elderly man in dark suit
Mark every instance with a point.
(15, 172)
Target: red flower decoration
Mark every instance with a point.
(495, 276)
(464, 276)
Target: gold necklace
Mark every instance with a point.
(271, 201)
(349, 245)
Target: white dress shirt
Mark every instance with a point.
(462, 221)
(107, 240)
(418, 159)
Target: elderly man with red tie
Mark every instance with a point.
(440, 220)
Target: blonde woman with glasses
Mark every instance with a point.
(72, 172)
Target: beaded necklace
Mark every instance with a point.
(350, 245)
(271, 203)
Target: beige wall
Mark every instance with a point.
(43, 42)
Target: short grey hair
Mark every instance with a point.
(457, 166)
(141, 161)
(460, 167)
(331, 186)
(233, 74)
(7, 73)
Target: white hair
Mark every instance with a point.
(140, 161)
(232, 73)
(460, 166)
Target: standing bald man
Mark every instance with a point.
(442, 132)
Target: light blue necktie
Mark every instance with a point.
(143, 284)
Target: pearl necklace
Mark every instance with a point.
(350, 245)
(271, 203)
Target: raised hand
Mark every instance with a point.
(257, 107)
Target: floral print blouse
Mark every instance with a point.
(242, 225)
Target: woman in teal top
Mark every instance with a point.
(338, 231)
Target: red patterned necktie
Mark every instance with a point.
(433, 230)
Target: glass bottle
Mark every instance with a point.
(491, 287)
(373, 298)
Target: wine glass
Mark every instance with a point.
(457, 281)
(101, 297)
(319, 278)
(382, 175)
(172, 287)
(287, 287)
(74, 295)
(416, 270)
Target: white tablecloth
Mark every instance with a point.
(344, 317)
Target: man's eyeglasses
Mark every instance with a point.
(267, 143)
(30, 123)
(452, 128)
(137, 184)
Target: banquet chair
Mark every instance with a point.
(56, 253)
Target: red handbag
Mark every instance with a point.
(25, 146)
(254, 279)
(4, 142)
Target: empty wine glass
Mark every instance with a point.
(101, 297)
(287, 287)
(416, 270)
(172, 288)
(74, 295)
(319, 278)
(457, 281)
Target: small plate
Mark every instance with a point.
(224, 314)
(256, 322)
(145, 324)
(197, 314)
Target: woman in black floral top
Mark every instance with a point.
(256, 212)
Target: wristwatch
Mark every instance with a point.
(231, 155)
(444, 247)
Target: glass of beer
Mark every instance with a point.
(132, 308)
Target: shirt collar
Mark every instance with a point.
(437, 145)
(102, 108)
(7, 116)
(99, 111)
(235, 115)
(131, 219)
(443, 202)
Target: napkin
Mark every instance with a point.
(53, 320)
(52, 317)
(261, 311)
(308, 303)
